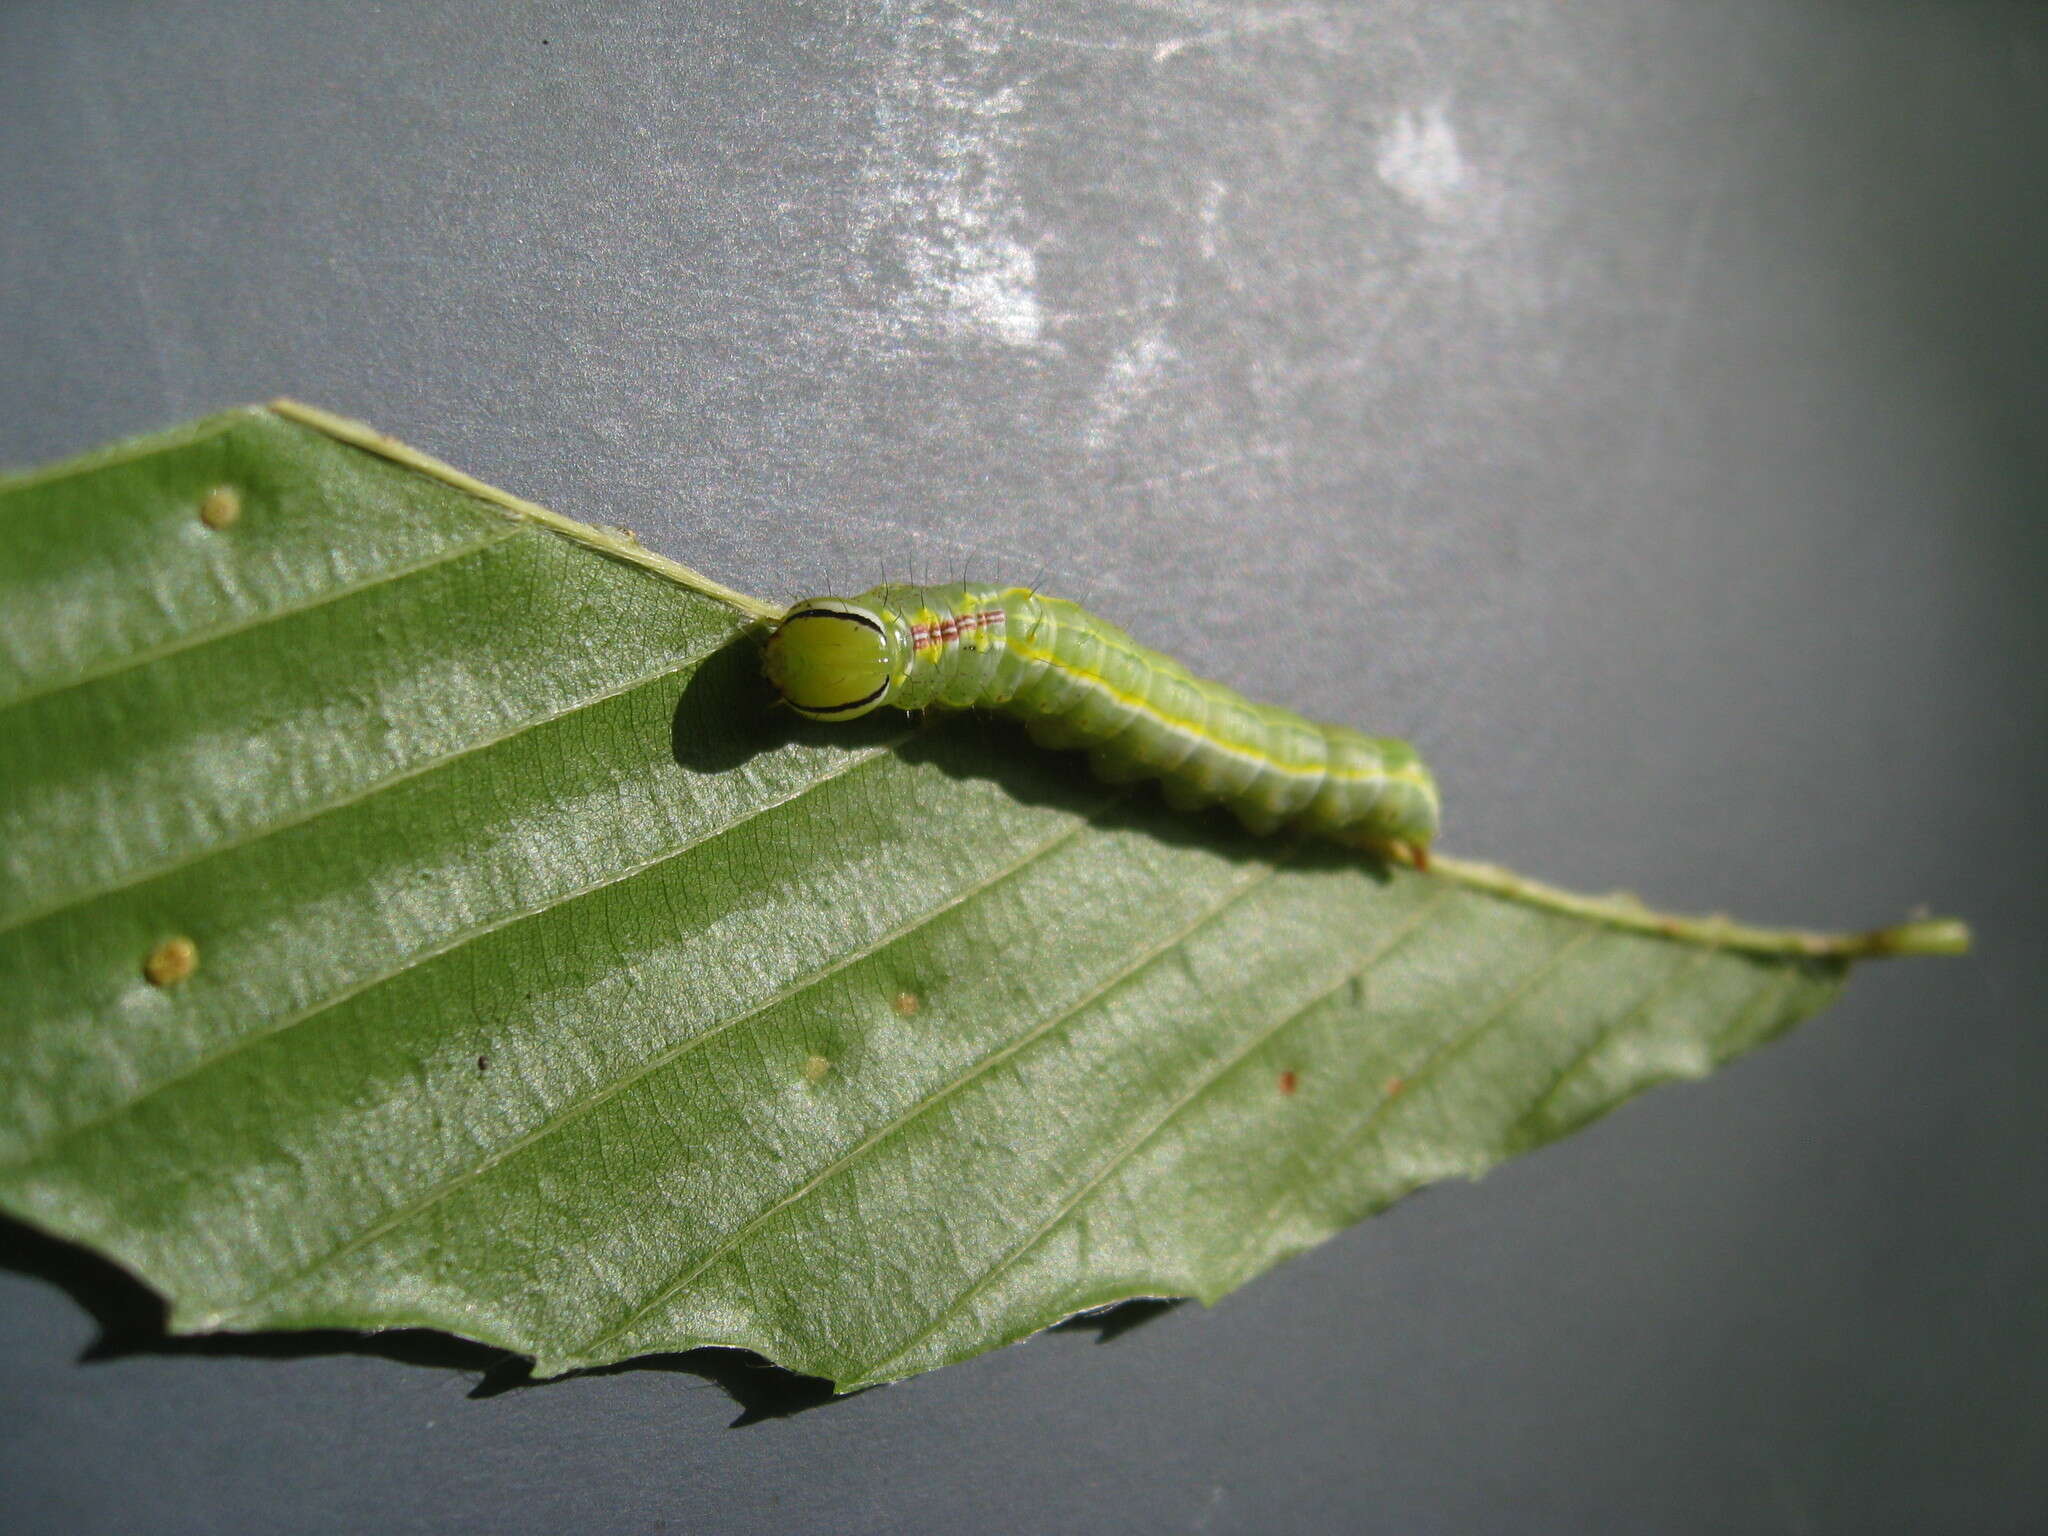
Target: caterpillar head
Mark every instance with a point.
(830, 659)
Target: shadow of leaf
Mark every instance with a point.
(131, 1321)
(1120, 1317)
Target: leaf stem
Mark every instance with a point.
(1920, 936)
(617, 545)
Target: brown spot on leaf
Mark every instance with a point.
(1393, 1086)
(815, 1068)
(1289, 1080)
(907, 1003)
(171, 962)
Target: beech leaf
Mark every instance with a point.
(414, 913)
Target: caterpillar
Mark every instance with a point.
(1078, 681)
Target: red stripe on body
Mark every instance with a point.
(949, 630)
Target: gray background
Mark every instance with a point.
(1640, 405)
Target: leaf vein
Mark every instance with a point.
(1430, 1064)
(448, 946)
(579, 1107)
(1770, 993)
(353, 798)
(233, 627)
(1571, 1069)
(1402, 932)
(978, 1070)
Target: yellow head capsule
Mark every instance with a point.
(829, 659)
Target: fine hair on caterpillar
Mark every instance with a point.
(1078, 681)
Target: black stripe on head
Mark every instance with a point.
(838, 709)
(833, 613)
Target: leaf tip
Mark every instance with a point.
(1926, 936)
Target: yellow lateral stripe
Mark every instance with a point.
(1406, 775)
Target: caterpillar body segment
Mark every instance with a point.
(1078, 681)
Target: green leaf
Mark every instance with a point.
(413, 913)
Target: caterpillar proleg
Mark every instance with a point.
(1078, 681)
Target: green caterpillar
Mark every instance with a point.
(1078, 681)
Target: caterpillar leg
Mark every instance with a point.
(1398, 851)
(1187, 796)
(1390, 850)
(1111, 768)
(1260, 820)
(1058, 732)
